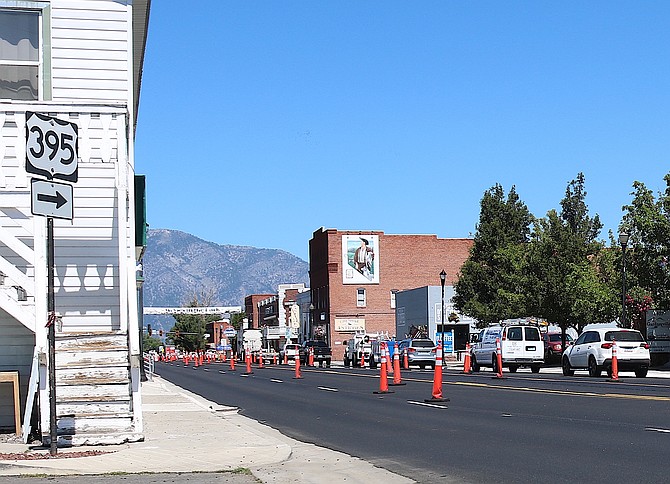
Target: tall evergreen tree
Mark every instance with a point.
(570, 280)
(490, 285)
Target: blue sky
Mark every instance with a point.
(261, 121)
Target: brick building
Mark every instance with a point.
(354, 276)
(251, 309)
(278, 315)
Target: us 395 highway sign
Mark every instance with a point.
(51, 147)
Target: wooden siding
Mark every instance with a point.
(90, 50)
(16, 349)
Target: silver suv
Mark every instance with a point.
(593, 351)
(420, 352)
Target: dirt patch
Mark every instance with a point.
(39, 455)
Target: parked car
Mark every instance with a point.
(291, 350)
(593, 351)
(521, 345)
(553, 345)
(322, 352)
(420, 352)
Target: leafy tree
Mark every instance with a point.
(188, 332)
(150, 343)
(236, 320)
(571, 277)
(647, 220)
(490, 285)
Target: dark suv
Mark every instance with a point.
(322, 352)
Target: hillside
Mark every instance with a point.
(178, 266)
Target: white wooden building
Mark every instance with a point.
(79, 61)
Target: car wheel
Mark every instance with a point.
(535, 368)
(567, 369)
(346, 362)
(475, 365)
(594, 371)
(373, 362)
(641, 372)
(513, 368)
(494, 364)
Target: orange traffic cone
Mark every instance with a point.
(274, 359)
(311, 356)
(405, 358)
(362, 359)
(285, 358)
(499, 374)
(185, 360)
(383, 377)
(298, 375)
(615, 363)
(466, 361)
(247, 359)
(196, 361)
(260, 359)
(232, 361)
(437, 378)
(397, 379)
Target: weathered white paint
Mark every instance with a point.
(93, 78)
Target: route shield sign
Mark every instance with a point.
(51, 147)
(51, 199)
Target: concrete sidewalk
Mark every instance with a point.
(186, 433)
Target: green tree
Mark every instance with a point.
(647, 220)
(188, 332)
(491, 282)
(150, 343)
(570, 276)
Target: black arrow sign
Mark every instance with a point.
(58, 199)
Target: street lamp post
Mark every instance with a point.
(623, 240)
(443, 278)
(311, 321)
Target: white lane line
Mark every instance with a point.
(274, 380)
(652, 429)
(328, 389)
(424, 404)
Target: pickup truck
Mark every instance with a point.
(322, 352)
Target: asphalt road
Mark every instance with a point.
(524, 428)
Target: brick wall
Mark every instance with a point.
(405, 262)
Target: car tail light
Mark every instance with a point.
(606, 346)
(645, 345)
(411, 350)
(433, 351)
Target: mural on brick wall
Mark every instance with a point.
(360, 259)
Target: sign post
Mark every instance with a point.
(51, 152)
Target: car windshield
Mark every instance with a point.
(623, 336)
(319, 343)
(422, 343)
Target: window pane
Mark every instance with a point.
(18, 82)
(532, 334)
(19, 34)
(514, 334)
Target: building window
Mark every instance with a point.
(360, 297)
(393, 291)
(22, 51)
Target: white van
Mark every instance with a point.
(521, 345)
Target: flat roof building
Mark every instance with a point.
(355, 275)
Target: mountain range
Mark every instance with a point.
(179, 267)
